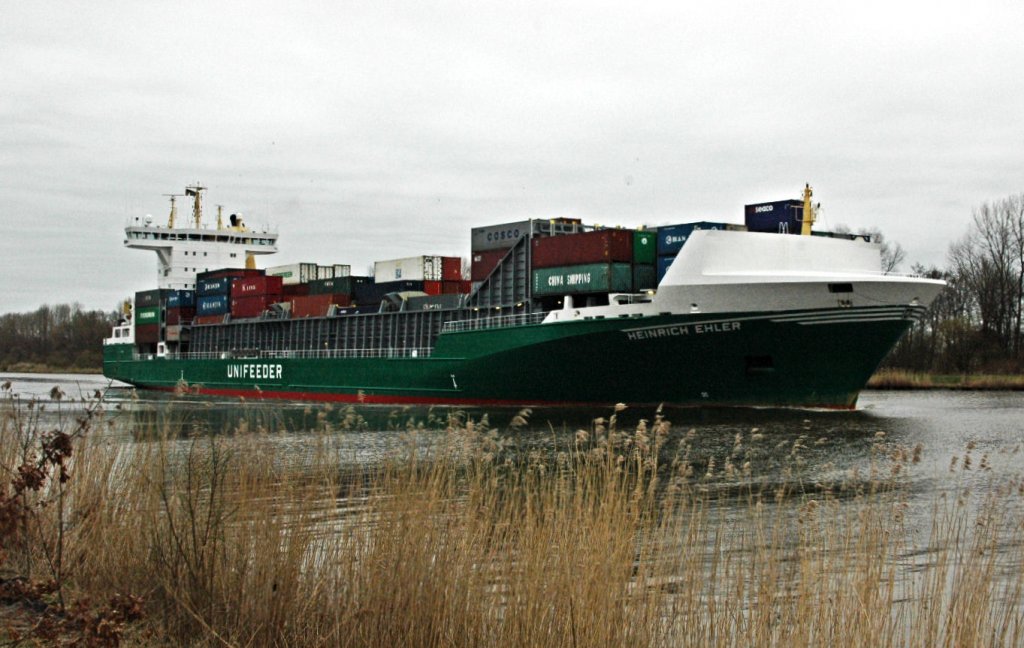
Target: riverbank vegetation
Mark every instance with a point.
(62, 338)
(974, 327)
(614, 537)
(902, 379)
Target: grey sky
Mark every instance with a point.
(366, 131)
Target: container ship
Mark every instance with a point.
(549, 311)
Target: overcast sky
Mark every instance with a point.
(374, 130)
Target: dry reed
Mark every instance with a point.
(902, 379)
(615, 540)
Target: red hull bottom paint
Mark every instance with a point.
(372, 399)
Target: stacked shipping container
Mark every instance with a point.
(780, 217)
(250, 296)
(491, 243)
(562, 261)
(149, 318)
(303, 273)
(181, 307)
(645, 276)
(599, 261)
(419, 268)
(672, 238)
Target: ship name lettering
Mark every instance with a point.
(681, 329)
(257, 371)
(716, 327)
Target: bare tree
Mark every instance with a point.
(892, 253)
(989, 261)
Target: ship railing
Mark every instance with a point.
(419, 352)
(497, 321)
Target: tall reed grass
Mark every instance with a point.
(902, 379)
(617, 539)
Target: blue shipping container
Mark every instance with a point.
(780, 217)
(181, 299)
(671, 238)
(663, 263)
(213, 305)
(219, 286)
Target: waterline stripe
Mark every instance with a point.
(813, 316)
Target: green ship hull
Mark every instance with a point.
(813, 358)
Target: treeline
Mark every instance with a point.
(975, 325)
(58, 337)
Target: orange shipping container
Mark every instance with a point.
(317, 305)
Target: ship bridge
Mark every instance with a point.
(183, 252)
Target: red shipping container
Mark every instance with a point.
(341, 299)
(317, 305)
(465, 287)
(432, 287)
(600, 246)
(248, 306)
(182, 315)
(229, 272)
(147, 333)
(208, 319)
(295, 290)
(452, 287)
(260, 285)
(484, 262)
(451, 268)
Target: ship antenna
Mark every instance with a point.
(174, 210)
(197, 207)
(220, 221)
(808, 217)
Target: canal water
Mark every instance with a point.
(944, 427)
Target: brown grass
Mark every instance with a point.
(902, 379)
(616, 540)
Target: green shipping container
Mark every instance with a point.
(645, 276)
(588, 278)
(644, 246)
(336, 286)
(150, 315)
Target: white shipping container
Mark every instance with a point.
(294, 273)
(335, 271)
(420, 268)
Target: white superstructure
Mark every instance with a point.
(182, 252)
(734, 272)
